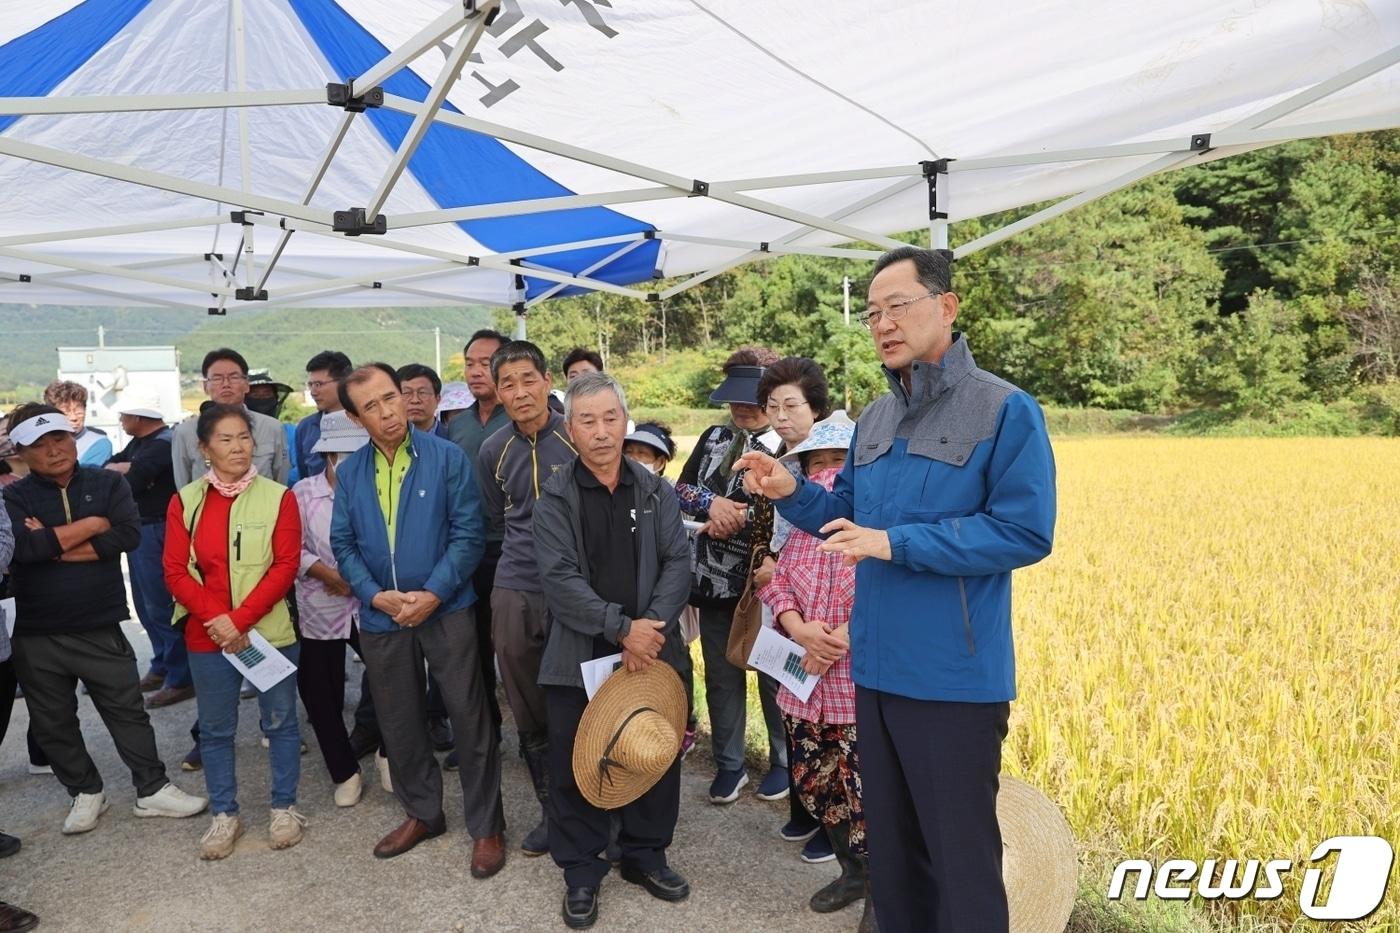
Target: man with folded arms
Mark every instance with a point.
(406, 530)
(71, 526)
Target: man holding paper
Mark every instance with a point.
(609, 539)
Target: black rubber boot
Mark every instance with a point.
(535, 749)
(850, 886)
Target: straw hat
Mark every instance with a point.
(630, 735)
(1039, 864)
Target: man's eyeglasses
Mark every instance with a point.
(415, 394)
(894, 312)
(316, 384)
(229, 380)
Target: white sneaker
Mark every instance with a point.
(348, 791)
(286, 829)
(382, 763)
(221, 836)
(40, 769)
(170, 801)
(84, 813)
(267, 744)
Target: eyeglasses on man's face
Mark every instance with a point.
(315, 385)
(226, 380)
(894, 311)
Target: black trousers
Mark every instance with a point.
(394, 661)
(321, 683)
(8, 682)
(937, 762)
(578, 831)
(49, 668)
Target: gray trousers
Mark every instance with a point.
(394, 662)
(49, 667)
(727, 698)
(520, 627)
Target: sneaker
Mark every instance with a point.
(726, 785)
(221, 836)
(40, 769)
(267, 744)
(82, 817)
(248, 691)
(194, 761)
(799, 830)
(687, 743)
(170, 801)
(348, 791)
(381, 764)
(286, 829)
(817, 850)
(774, 785)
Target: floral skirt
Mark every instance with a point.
(826, 773)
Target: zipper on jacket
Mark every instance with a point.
(967, 618)
(238, 543)
(67, 512)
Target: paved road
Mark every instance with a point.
(132, 874)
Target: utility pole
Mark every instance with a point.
(437, 348)
(101, 336)
(846, 313)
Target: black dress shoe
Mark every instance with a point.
(9, 845)
(580, 907)
(665, 883)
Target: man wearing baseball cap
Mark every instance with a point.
(72, 524)
(145, 462)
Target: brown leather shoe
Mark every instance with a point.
(169, 696)
(152, 682)
(410, 832)
(488, 855)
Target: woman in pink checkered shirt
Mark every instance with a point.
(811, 595)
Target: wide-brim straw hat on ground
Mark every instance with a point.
(629, 735)
(1039, 864)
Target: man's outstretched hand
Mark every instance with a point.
(765, 476)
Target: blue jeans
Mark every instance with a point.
(154, 607)
(216, 684)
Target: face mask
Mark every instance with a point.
(263, 406)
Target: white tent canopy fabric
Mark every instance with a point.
(183, 153)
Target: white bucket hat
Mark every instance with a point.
(340, 435)
(831, 433)
(141, 402)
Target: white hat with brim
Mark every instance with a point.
(141, 403)
(339, 435)
(455, 397)
(831, 433)
(30, 430)
(655, 441)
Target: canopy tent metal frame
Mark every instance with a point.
(247, 209)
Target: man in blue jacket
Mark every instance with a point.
(407, 533)
(949, 486)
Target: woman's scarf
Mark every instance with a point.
(231, 490)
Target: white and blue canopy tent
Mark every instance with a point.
(424, 152)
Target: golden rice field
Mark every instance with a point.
(1209, 663)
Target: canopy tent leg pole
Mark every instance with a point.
(520, 329)
(423, 121)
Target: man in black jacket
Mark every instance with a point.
(609, 539)
(71, 526)
(145, 462)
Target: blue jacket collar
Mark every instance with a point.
(928, 381)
